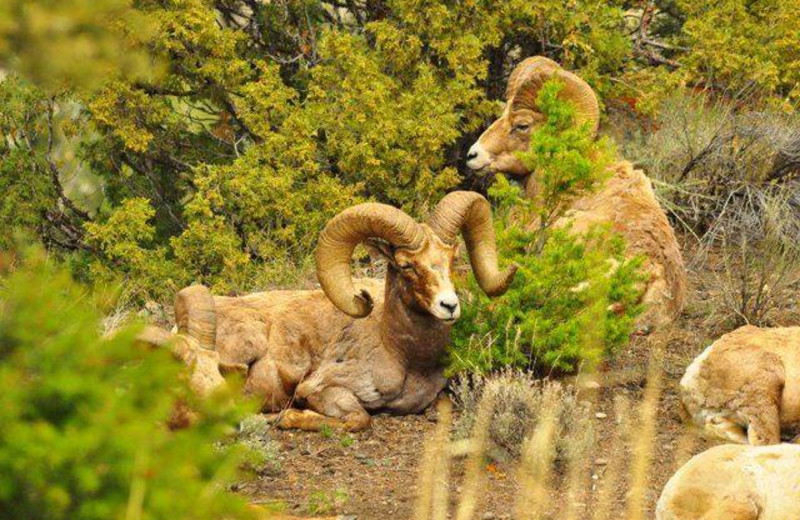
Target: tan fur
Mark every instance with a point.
(626, 200)
(302, 351)
(733, 482)
(746, 387)
(628, 203)
(298, 348)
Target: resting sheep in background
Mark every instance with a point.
(733, 482)
(626, 201)
(745, 387)
(342, 351)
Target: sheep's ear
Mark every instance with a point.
(381, 248)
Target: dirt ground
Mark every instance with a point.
(373, 474)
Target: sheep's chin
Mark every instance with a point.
(447, 319)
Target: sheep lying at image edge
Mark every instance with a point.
(733, 482)
(745, 387)
(352, 347)
(626, 201)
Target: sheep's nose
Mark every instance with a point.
(471, 155)
(450, 306)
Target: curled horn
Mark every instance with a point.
(339, 239)
(529, 76)
(196, 315)
(470, 213)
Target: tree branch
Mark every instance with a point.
(54, 173)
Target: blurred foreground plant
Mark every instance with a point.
(84, 432)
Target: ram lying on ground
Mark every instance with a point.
(341, 352)
(745, 387)
(626, 201)
(733, 482)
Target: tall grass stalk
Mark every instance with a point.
(604, 506)
(536, 468)
(433, 477)
(474, 470)
(643, 443)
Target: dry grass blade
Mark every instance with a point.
(536, 467)
(604, 508)
(644, 441)
(432, 501)
(474, 470)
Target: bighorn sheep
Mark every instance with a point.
(733, 482)
(745, 387)
(626, 201)
(341, 351)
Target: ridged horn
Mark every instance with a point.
(529, 76)
(470, 213)
(341, 236)
(196, 315)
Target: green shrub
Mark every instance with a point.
(84, 432)
(574, 299)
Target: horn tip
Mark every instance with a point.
(362, 305)
(504, 282)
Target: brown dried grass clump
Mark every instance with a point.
(519, 403)
(546, 425)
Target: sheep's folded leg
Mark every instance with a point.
(309, 420)
(724, 428)
(331, 407)
(765, 427)
(341, 403)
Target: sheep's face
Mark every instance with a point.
(424, 277)
(495, 149)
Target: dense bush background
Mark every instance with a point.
(194, 140)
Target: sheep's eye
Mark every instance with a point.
(523, 127)
(406, 266)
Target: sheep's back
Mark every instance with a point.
(736, 482)
(628, 203)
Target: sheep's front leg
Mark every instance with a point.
(334, 407)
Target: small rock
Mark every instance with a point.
(601, 462)
(590, 384)
(600, 415)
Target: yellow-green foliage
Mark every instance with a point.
(84, 432)
(73, 43)
(740, 44)
(728, 48)
(244, 126)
